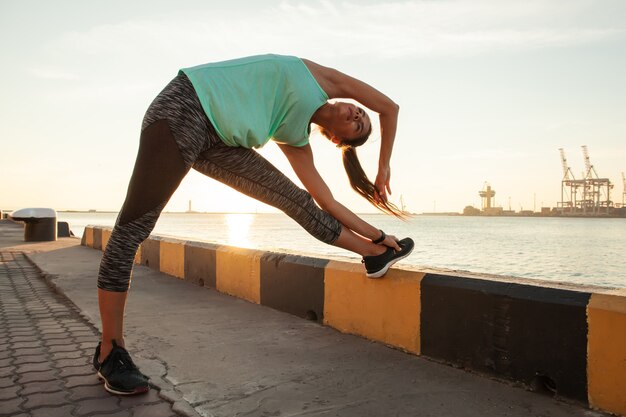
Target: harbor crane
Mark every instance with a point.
(596, 190)
(569, 186)
(566, 169)
(590, 195)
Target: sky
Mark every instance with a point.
(488, 92)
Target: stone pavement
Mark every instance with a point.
(45, 353)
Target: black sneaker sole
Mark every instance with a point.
(112, 390)
(384, 270)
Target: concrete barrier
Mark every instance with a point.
(527, 333)
(200, 264)
(172, 258)
(386, 310)
(562, 339)
(294, 284)
(238, 273)
(606, 360)
(63, 229)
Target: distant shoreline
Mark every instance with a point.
(198, 212)
(450, 214)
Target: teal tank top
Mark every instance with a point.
(252, 100)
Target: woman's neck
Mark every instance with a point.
(323, 116)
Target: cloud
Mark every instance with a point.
(324, 28)
(152, 48)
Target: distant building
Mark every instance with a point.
(493, 211)
(471, 211)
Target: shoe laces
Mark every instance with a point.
(122, 360)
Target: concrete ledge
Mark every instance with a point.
(527, 333)
(172, 257)
(97, 239)
(87, 239)
(386, 310)
(200, 264)
(238, 273)
(548, 336)
(106, 235)
(606, 365)
(293, 284)
(151, 252)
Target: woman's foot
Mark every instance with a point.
(121, 375)
(378, 265)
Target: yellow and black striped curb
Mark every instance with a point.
(568, 340)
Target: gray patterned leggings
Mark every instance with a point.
(176, 135)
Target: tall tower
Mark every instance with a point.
(486, 195)
(189, 210)
(624, 190)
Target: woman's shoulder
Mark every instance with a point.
(324, 76)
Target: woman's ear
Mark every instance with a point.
(329, 135)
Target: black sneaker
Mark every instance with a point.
(377, 266)
(121, 375)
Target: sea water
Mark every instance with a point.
(573, 250)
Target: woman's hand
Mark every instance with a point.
(391, 242)
(382, 183)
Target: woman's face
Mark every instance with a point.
(349, 121)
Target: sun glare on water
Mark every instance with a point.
(239, 229)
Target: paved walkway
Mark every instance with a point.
(45, 353)
(214, 355)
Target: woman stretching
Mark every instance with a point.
(209, 118)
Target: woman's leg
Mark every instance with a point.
(248, 172)
(159, 168)
(174, 131)
(357, 244)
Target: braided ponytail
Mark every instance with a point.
(357, 177)
(363, 186)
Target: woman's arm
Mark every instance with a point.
(339, 85)
(301, 160)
